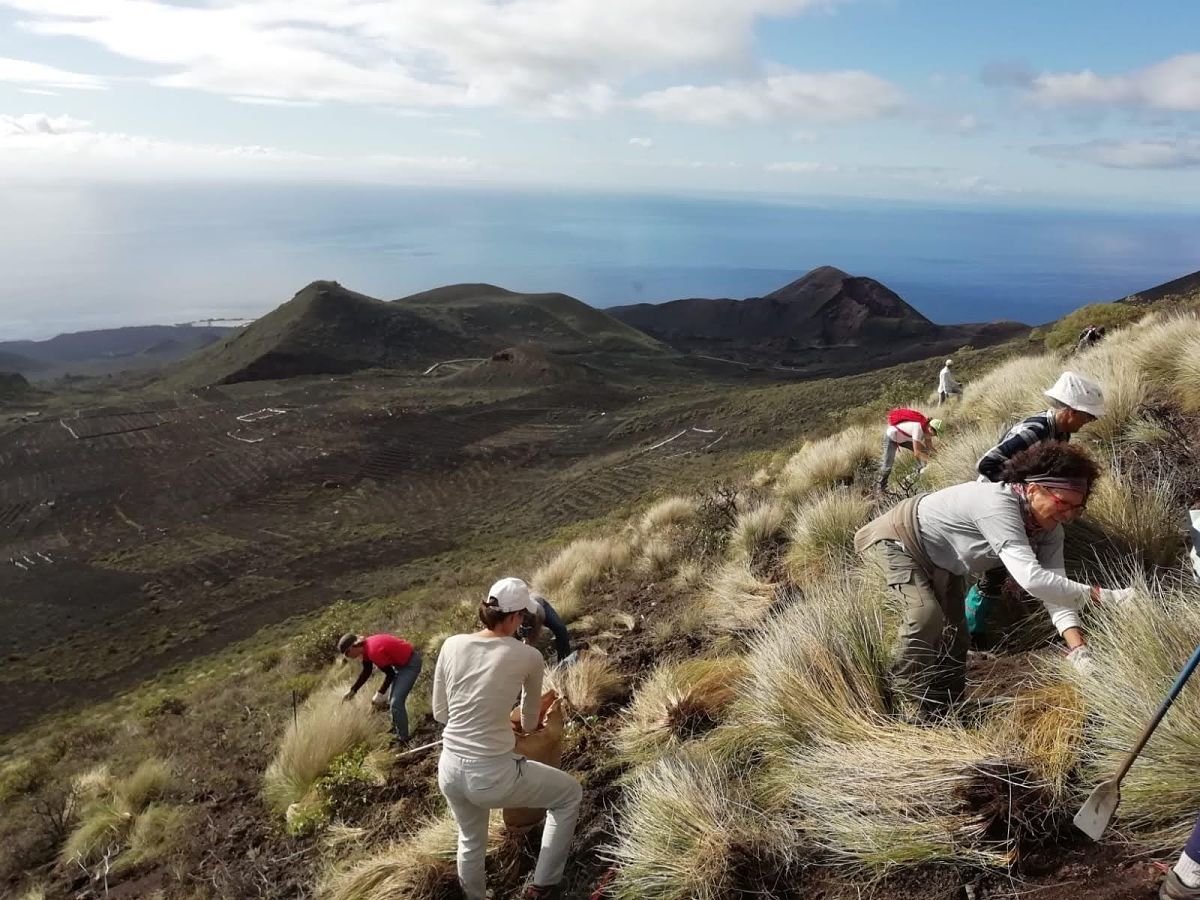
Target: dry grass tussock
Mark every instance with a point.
(954, 460)
(420, 867)
(579, 566)
(1138, 516)
(1125, 390)
(1157, 344)
(1046, 723)
(678, 702)
(1010, 392)
(689, 832)
(325, 728)
(820, 668)
(1140, 648)
(830, 461)
(587, 684)
(822, 534)
(907, 795)
(111, 811)
(757, 530)
(737, 599)
(668, 513)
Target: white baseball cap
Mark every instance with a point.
(949, 362)
(511, 595)
(1079, 393)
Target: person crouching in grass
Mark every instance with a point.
(926, 545)
(400, 663)
(476, 679)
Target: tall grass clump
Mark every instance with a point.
(757, 531)
(1125, 390)
(1138, 516)
(1010, 392)
(905, 795)
(821, 537)
(821, 667)
(1157, 345)
(1185, 383)
(831, 461)
(670, 512)
(420, 867)
(587, 684)
(955, 458)
(737, 599)
(325, 728)
(678, 702)
(577, 568)
(1139, 649)
(688, 831)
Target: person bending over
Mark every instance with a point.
(401, 664)
(476, 678)
(546, 617)
(926, 545)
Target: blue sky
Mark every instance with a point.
(1091, 104)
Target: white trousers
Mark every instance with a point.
(474, 787)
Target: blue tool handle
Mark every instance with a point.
(1162, 711)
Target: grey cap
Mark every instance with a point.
(346, 641)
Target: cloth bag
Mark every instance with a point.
(544, 746)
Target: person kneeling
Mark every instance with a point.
(476, 678)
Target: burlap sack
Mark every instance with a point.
(544, 746)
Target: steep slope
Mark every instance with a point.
(826, 318)
(1185, 287)
(326, 328)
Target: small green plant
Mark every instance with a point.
(346, 788)
(316, 646)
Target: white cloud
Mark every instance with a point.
(273, 101)
(792, 96)
(31, 143)
(1166, 154)
(803, 168)
(23, 71)
(804, 137)
(644, 142)
(564, 57)
(1172, 85)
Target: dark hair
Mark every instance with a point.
(347, 641)
(491, 614)
(1054, 459)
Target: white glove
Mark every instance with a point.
(380, 700)
(1081, 659)
(1116, 596)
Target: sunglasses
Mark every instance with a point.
(1065, 507)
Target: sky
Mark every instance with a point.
(1029, 102)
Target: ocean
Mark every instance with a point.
(77, 258)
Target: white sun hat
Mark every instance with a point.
(1078, 393)
(511, 595)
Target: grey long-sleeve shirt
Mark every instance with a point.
(474, 685)
(973, 527)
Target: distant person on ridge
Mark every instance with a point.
(927, 545)
(476, 679)
(401, 664)
(1089, 337)
(910, 429)
(547, 618)
(1075, 401)
(947, 383)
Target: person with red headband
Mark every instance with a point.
(927, 545)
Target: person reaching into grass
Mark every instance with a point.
(546, 617)
(400, 663)
(926, 545)
(1075, 402)
(912, 430)
(476, 678)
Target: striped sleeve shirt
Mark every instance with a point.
(1029, 433)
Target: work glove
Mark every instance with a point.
(1116, 596)
(1081, 659)
(380, 700)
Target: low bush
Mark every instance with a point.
(1064, 334)
(316, 646)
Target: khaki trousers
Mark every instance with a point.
(929, 673)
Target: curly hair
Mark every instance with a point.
(1054, 459)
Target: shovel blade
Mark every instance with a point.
(1093, 817)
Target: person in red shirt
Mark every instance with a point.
(401, 664)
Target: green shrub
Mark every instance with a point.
(1065, 332)
(18, 777)
(316, 646)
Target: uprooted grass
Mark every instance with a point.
(588, 683)
(325, 728)
(677, 703)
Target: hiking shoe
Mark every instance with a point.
(538, 892)
(1174, 889)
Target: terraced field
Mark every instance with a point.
(133, 538)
